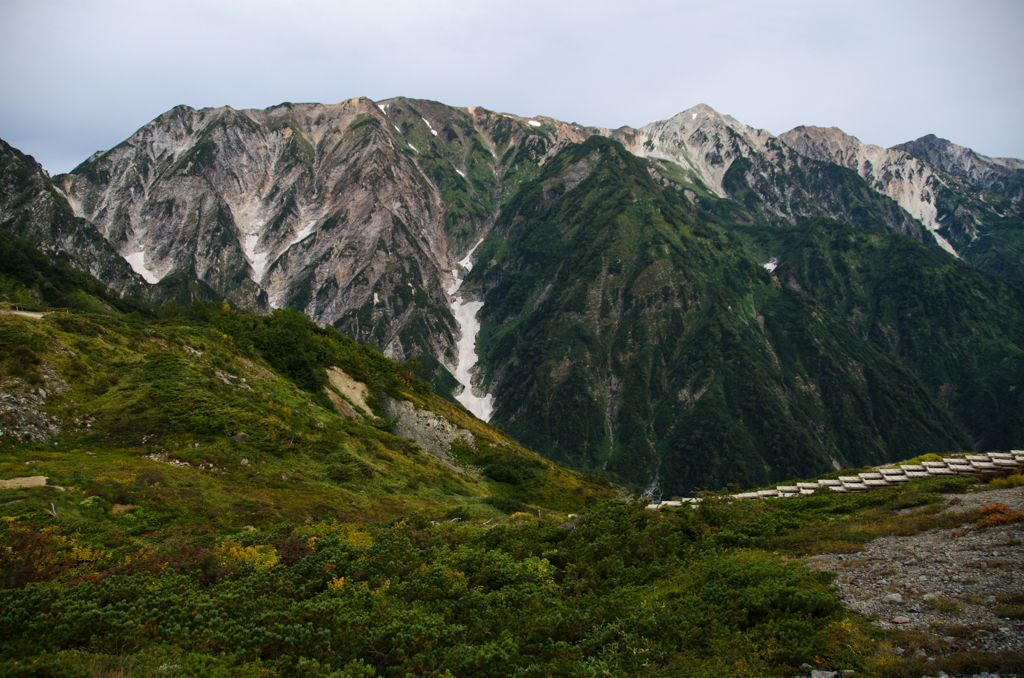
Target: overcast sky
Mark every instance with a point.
(78, 76)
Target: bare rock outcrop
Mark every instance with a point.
(433, 433)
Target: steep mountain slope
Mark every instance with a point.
(624, 330)
(32, 209)
(1000, 175)
(961, 331)
(984, 228)
(353, 213)
(629, 321)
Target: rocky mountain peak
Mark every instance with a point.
(912, 183)
(700, 139)
(1001, 175)
(829, 144)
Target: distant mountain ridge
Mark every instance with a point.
(982, 227)
(622, 272)
(1001, 175)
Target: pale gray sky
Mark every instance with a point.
(83, 75)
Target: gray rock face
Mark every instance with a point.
(431, 432)
(22, 418)
(31, 209)
(1000, 175)
(768, 177)
(351, 212)
(956, 212)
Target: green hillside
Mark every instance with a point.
(960, 330)
(628, 330)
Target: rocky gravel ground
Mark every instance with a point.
(955, 583)
(21, 407)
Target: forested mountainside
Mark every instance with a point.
(627, 330)
(683, 310)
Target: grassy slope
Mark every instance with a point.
(621, 591)
(185, 384)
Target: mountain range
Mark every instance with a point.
(688, 304)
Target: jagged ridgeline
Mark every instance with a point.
(353, 213)
(627, 330)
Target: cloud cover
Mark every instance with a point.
(82, 76)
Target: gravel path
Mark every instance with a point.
(944, 580)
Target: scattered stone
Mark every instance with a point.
(21, 403)
(34, 461)
(431, 432)
(284, 476)
(245, 462)
(893, 598)
(240, 437)
(248, 528)
(962, 581)
(921, 654)
(165, 458)
(823, 674)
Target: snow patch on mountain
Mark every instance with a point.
(301, 235)
(465, 313)
(137, 260)
(257, 261)
(944, 244)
